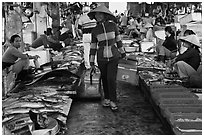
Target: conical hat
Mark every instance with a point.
(148, 25)
(102, 9)
(160, 34)
(193, 39)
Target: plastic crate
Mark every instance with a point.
(180, 101)
(185, 118)
(188, 101)
(164, 106)
(164, 86)
(168, 88)
(187, 128)
(168, 112)
(166, 95)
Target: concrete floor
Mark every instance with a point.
(134, 117)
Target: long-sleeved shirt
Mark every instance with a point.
(12, 54)
(86, 24)
(170, 43)
(106, 42)
(191, 56)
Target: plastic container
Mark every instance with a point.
(159, 95)
(92, 85)
(188, 101)
(164, 106)
(165, 89)
(130, 49)
(168, 112)
(146, 45)
(52, 128)
(187, 128)
(127, 72)
(185, 118)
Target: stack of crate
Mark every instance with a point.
(181, 108)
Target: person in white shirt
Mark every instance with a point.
(149, 33)
(86, 25)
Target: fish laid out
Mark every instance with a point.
(54, 73)
(36, 96)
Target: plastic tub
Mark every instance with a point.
(187, 128)
(164, 86)
(168, 112)
(168, 89)
(167, 95)
(185, 118)
(164, 106)
(176, 101)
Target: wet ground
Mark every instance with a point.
(134, 117)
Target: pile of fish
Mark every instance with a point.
(49, 93)
(54, 102)
(157, 77)
(148, 62)
(70, 59)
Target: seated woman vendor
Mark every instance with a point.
(169, 46)
(187, 63)
(20, 61)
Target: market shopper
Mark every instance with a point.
(106, 43)
(19, 61)
(169, 46)
(187, 64)
(86, 25)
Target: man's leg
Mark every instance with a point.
(21, 64)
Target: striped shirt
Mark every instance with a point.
(106, 42)
(86, 24)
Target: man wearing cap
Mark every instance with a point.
(107, 45)
(187, 64)
(86, 25)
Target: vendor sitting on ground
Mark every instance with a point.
(169, 46)
(187, 64)
(48, 40)
(181, 49)
(20, 61)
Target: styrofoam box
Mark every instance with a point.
(146, 45)
(44, 56)
(187, 128)
(191, 17)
